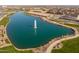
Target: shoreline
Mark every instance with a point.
(9, 44)
(49, 48)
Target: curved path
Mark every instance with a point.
(44, 16)
(50, 48)
(5, 15)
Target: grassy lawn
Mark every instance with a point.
(4, 21)
(11, 49)
(69, 46)
(73, 25)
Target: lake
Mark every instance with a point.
(22, 33)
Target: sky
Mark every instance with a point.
(39, 2)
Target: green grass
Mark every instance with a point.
(4, 21)
(73, 25)
(11, 49)
(69, 46)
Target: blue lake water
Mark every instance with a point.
(22, 34)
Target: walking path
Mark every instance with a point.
(5, 45)
(50, 48)
(2, 17)
(4, 33)
(44, 17)
(6, 15)
(39, 14)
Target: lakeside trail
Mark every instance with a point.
(44, 17)
(5, 34)
(50, 48)
(8, 13)
(3, 17)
